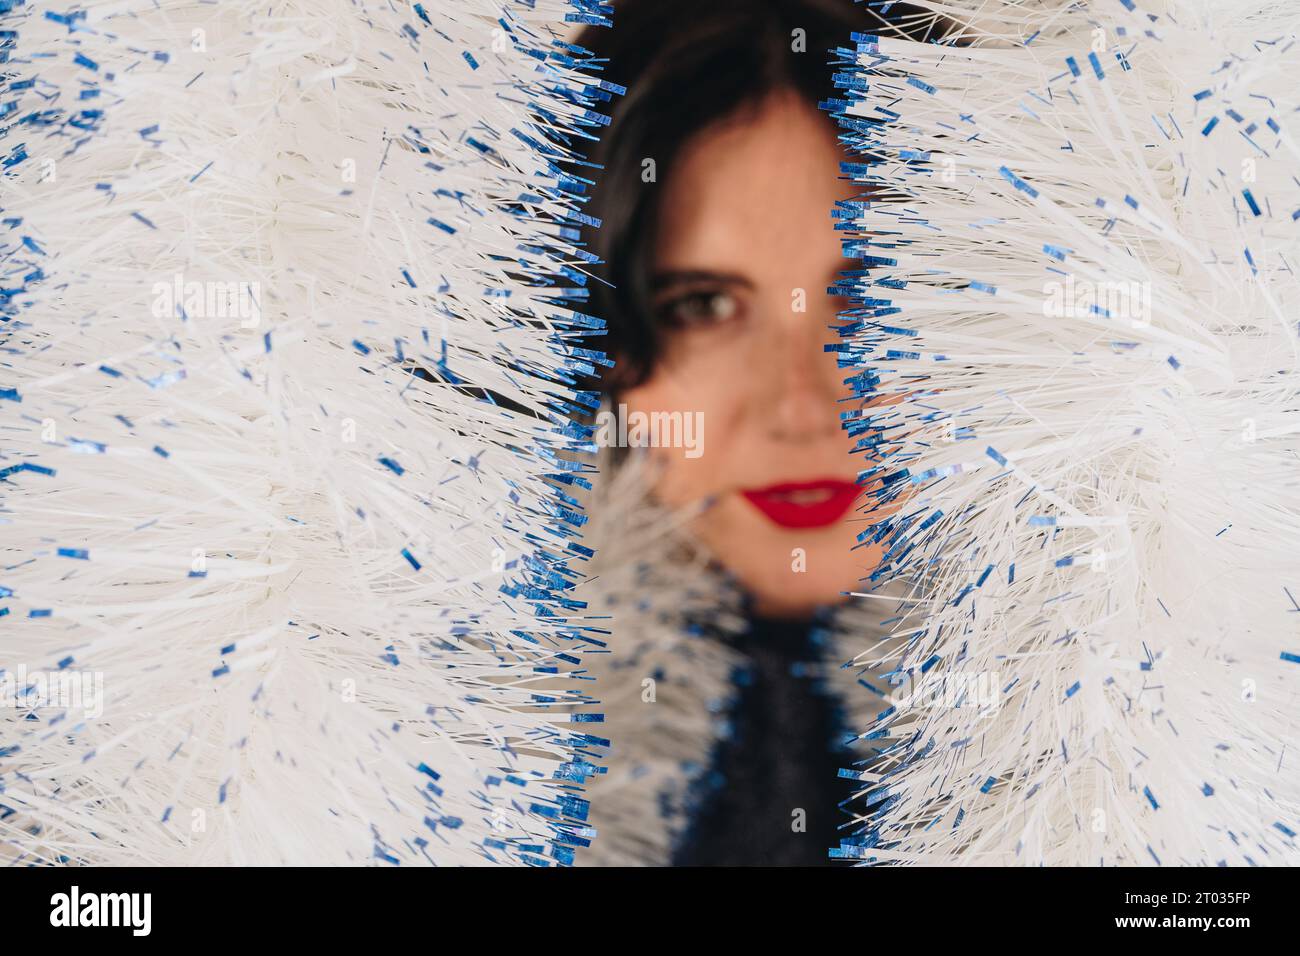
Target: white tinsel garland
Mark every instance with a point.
(1082, 294)
(289, 360)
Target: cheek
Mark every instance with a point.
(717, 408)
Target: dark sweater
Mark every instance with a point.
(782, 756)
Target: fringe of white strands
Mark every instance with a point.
(318, 552)
(1097, 514)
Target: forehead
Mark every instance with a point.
(753, 191)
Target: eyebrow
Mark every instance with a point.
(675, 277)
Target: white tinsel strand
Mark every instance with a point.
(1079, 302)
(290, 360)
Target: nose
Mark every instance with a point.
(802, 380)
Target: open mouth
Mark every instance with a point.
(804, 504)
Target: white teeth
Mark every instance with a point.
(812, 497)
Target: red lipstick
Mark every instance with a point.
(804, 504)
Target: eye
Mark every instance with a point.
(699, 308)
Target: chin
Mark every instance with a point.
(792, 604)
(766, 572)
(764, 559)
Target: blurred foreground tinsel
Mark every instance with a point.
(290, 358)
(1078, 307)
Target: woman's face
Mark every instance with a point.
(743, 257)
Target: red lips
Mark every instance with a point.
(804, 504)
